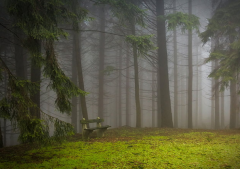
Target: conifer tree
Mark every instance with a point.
(39, 21)
(224, 23)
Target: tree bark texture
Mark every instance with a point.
(120, 86)
(128, 89)
(153, 97)
(222, 110)
(74, 80)
(80, 74)
(164, 109)
(217, 126)
(136, 80)
(197, 89)
(175, 72)
(190, 70)
(36, 77)
(233, 96)
(233, 104)
(101, 62)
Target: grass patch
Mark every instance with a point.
(133, 148)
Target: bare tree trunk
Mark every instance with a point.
(200, 95)
(20, 58)
(5, 133)
(222, 110)
(116, 97)
(1, 137)
(164, 103)
(120, 86)
(233, 96)
(127, 89)
(217, 126)
(197, 93)
(36, 77)
(182, 114)
(136, 80)
(80, 74)
(141, 90)
(233, 104)
(212, 100)
(153, 97)
(238, 107)
(74, 80)
(80, 115)
(175, 73)
(101, 62)
(190, 71)
(5, 93)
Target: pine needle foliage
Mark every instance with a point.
(125, 11)
(225, 23)
(39, 21)
(143, 44)
(183, 21)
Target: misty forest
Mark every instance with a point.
(119, 84)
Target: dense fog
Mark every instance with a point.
(126, 85)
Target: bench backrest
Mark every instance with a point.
(91, 121)
(85, 122)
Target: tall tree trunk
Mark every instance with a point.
(36, 77)
(5, 132)
(141, 89)
(116, 106)
(190, 71)
(78, 47)
(120, 86)
(80, 114)
(128, 89)
(217, 126)
(5, 94)
(175, 72)
(101, 62)
(153, 97)
(164, 107)
(233, 96)
(237, 108)
(136, 80)
(74, 80)
(233, 104)
(20, 58)
(216, 89)
(182, 95)
(222, 110)
(197, 92)
(212, 99)
(116, 96)
(1, 136)
(200, 95)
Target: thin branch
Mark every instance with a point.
(10, 30)
(94, 31)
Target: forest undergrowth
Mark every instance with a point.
(133, 148)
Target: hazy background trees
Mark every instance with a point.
(127, 84)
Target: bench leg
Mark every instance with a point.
(100, 132)
(86, 133)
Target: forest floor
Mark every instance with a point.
(128, 147)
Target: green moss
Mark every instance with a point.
(162, 148)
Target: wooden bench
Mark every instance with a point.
(87, 131)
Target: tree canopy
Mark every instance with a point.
(225, 25)
(39, 21)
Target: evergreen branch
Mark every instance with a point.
(10, 31)
(7, 69)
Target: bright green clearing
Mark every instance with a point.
(133, 148)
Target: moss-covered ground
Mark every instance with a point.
(128, 147)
